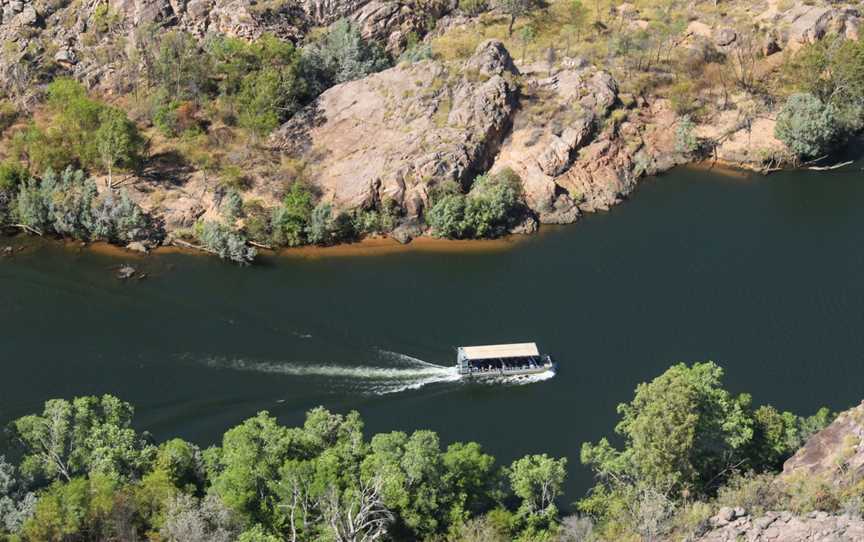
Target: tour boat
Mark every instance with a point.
(502, 360)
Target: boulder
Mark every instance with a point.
(699, 29)
(407, 231)
(65, 55)
(430, 124)
(526, 226)
(809, 23)
(836, 453)
(725, 37)
(777, 527)
(137, 246)
(125, 272)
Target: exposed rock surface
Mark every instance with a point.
(569, 157)
(399, 133)
(836, 453)
(734, 525)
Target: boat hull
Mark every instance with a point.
(509, 372)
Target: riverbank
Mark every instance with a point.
(368, 246)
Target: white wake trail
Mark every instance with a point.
(409, 373)
(413, 374)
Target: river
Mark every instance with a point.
(762, 275)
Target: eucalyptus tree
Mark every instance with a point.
(89, 435)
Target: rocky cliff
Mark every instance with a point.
(736, 526)
(400, 133)
(578, 142)
(834, 456)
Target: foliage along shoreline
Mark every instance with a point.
(185, 92)
(80, 471)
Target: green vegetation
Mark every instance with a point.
(222, 240)
(689, 447)
(341, 55)
(85, 474)
(69, 205)
(493, 205)
(79, 131)
(684, 436)
(210, 103)
(807, 126)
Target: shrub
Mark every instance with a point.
(12, 174)
(69, 205)
(685, 136)
(489, 209)
(807, 126)
(321, 224)
(756, 493)
(8, 114)
(290, 221)
(232, 206)
(225, 242)
(257, 221)
(341, 55)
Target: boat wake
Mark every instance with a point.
(401, 373)
(406, 374)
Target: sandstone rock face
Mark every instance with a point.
(807, 24)
(733, 525)
(835, 453)
(569, 164)
(399, 133)
(392, 22)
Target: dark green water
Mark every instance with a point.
(763, 276)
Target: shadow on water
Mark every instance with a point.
(759, 274)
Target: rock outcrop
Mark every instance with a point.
(836, 453)
(570, 157)
(390, 22)
(734, 525)
(401, 132)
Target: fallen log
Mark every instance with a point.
(183, 244)
(828, 168)
(260, 245)
(27, 228)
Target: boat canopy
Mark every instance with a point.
(499, 351)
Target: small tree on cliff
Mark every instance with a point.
(519, 8)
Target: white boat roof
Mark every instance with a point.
(493, 351)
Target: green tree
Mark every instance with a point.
(411, 470)
(341, 55)
(12, 175)
(527, 35)
(179, 68)
(807, 126)
(471, 481)
(257, 534)
(75, 119)
(246, 467)
(489, 209)
(90, 435)
(682, 430)
(576, 14)
(537, 480)
(447, 216)
(118, 141)
(518, 8)
(68, 510)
